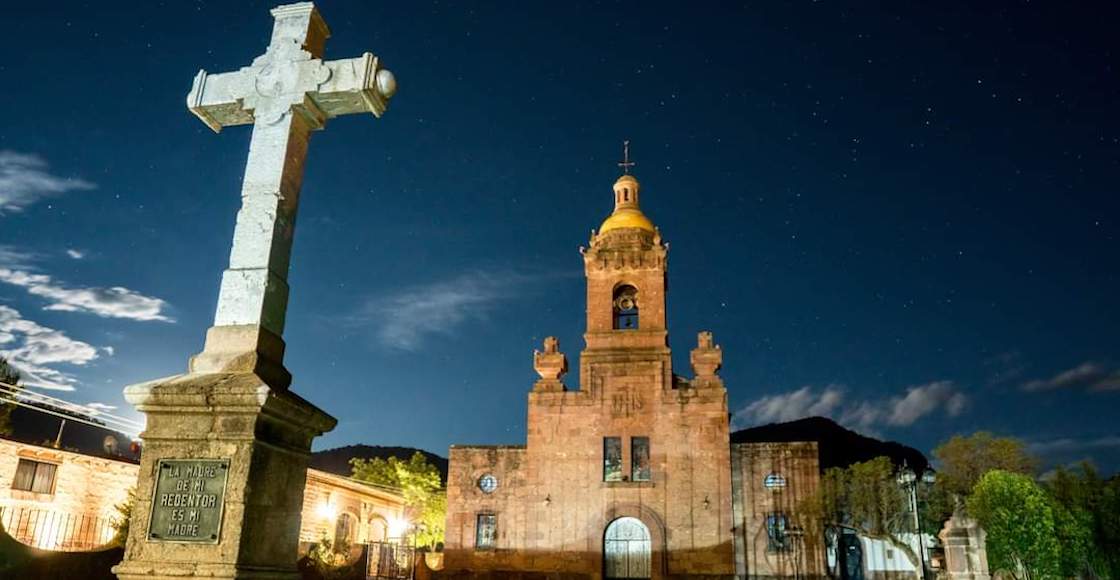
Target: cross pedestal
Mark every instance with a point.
(966, 552)
(226, 446)
(229, 506)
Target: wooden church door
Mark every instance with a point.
(626, 549)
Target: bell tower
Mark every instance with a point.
(625, 267)
(631, 471)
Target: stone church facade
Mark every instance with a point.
(630, 474)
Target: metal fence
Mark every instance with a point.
(53, 530)
(389, 561)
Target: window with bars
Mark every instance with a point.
(776, 525)
(34, 476)
(639, 459)
(612, 459)
(486, 531)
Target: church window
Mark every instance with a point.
(34, 476)
(626, 308)
(612, 459)
(639, 459)
(486, 533)
(776, 525)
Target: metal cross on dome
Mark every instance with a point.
(626, 164)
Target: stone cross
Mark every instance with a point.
(285, 94)
(230, 430)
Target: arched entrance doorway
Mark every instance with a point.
(626, 549)
(851, 557)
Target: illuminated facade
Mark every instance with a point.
(628, 475)
(62, 500)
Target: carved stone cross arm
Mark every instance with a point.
(319, 90)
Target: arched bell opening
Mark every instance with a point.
(625, 307)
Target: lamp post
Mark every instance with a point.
(797, 535)
(910, 480)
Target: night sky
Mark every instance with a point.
(902, 217)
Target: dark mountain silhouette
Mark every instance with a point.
(838, 447)
(39, 428)
(337, 460)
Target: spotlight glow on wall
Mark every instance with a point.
(326, 511)
(398, 526)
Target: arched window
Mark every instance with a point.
(342, 530)
(378, 529)
(626, 308)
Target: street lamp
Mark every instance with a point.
(797, 535)
(909, 480)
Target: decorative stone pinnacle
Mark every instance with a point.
(550, 364)
(706, 358)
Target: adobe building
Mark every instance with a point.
(629, 474)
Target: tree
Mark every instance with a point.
(867, 498)
(1018, 516)
(1074, 531)
(963, 460)
(1091, 506)
(10, 377)
(419, 482)
(123, 518)
(1107, 516)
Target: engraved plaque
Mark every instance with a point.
(189, 500)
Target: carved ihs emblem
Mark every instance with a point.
(625, 403)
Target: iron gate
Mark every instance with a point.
(389, 561)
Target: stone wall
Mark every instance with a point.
(92, 486)
(86, 489)
(511, 502)
(552, 504)
(378, 514)
(794, 476)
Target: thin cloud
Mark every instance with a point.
(75, 254)
(13, 257)
(34, 349)
(914, 404)
(406, 319)
(112, 302)
(804, 402)
(98, 408)
(26, 178)
(1089, 375)
(1071, 445)
(922, 400)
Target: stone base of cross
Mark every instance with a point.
(226, 445)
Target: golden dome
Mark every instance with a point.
(626, 212)
(626, 218)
